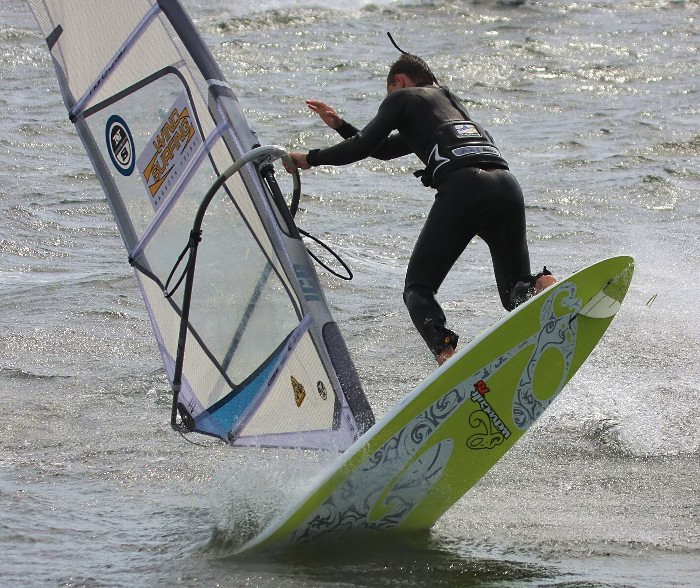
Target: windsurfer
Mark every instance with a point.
(476, 193)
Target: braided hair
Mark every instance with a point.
(412, 66)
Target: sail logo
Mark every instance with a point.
(120, 144)
(306, 283)
(169, 150)
(299, 392)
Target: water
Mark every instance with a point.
(595, 106)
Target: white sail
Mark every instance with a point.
(261, 360)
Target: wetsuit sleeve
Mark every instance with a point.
(347, 130)
(393, 146)
(364, 143)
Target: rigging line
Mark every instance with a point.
(333, 253)
(182, 434)
(194, 239)
(109, 69)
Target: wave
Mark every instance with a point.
(691, 147)
(22, 374)
(275, 14)
(272, 19)
(271, 14)
(13, 34)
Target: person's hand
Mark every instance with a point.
(327, 114)
(299, 160)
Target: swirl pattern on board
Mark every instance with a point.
(558, 333)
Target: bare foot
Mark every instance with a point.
(544, 282)
(445, 354)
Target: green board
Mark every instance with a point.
(418, 460)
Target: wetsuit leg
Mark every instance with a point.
(504, 232)
(446, 233)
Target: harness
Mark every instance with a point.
(456, 144)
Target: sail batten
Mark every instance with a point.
(246, 343)
(110, 67)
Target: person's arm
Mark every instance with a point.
(392, 147)
(369, 140)
(395, 145)
(329, 116)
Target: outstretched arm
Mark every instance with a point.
(328, 115)
(365, 142)
(373, 140)
(332, 119)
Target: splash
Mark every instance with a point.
(249, 494)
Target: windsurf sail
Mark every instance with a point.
(240, 318)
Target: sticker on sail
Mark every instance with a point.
(167, 153)
(299, 392)
(120, 144)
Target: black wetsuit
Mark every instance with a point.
(476, 195)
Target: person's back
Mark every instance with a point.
(420, 110)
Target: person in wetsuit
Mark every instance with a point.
(476, 193)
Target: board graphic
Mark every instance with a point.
(417, 461)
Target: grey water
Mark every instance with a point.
(594, 104)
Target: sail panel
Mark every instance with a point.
(103, 30)
(300, 398)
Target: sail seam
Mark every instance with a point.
(109, 69)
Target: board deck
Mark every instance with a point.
(426, 453)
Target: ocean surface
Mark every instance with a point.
(595, 106)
